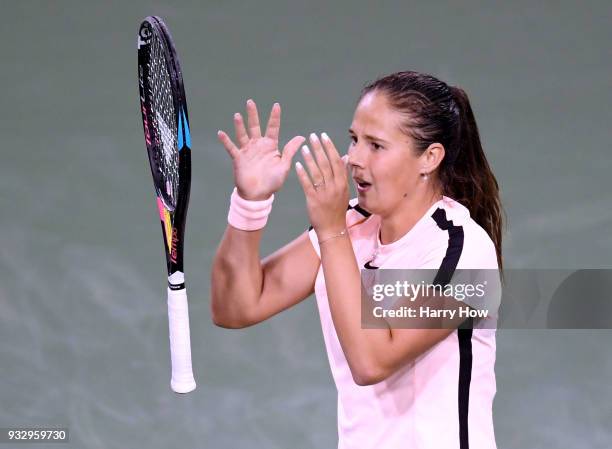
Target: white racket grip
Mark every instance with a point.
(180, 345)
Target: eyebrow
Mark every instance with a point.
(369, 137)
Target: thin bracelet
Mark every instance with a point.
(340, 234)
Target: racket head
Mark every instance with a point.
(167, 133)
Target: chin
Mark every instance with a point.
(370, 206)
(376, 207)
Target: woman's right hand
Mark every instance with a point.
(259, 168)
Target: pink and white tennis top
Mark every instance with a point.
(444, 398)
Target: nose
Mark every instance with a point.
(356, 155)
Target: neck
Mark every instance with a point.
(403, 218)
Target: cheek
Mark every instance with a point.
(396, 173)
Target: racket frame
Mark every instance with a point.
(172, 219)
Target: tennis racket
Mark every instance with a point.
(166, 131)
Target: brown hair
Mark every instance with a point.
(436, 112)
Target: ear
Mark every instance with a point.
(431, 158)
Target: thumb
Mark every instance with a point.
(290, 149)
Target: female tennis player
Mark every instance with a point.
(427, 198)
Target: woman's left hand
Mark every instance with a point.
(326, 189)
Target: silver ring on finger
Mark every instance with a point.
(316, 185)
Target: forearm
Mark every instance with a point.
(374, 354)
(237, 277)
(343, 282)
(260, 170)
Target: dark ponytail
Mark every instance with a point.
(438, 113)
(470, 179)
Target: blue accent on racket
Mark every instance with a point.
(187, 134)
(180, 132)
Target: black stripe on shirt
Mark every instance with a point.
(465, 377)
(454, 249)
(464, 333)
(361, 210)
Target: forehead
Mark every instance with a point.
(374, 115)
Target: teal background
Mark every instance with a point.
(83, 324)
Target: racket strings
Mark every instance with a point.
(164, 123)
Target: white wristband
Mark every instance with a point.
(248, 215)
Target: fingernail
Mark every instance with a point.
(218, 132)
(249, 101)
(298, 166)
(237, 116)
(325, 136)
(313, 137)
(305, 149)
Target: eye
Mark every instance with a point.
(377, 146)
(353, 139)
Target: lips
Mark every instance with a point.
(362, 184)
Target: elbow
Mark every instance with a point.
(222, 318)
(368, 374)
(221, 321)
(218, 318)
(227, 322)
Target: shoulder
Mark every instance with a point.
(455, 233)
(479, 250)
